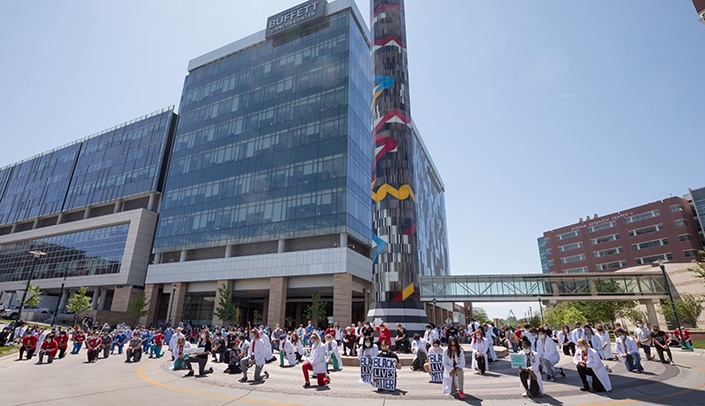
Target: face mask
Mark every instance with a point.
(583, 349)
(639, 325)
(542, 336)
(527, 351)
(452, 347)
(368, 344)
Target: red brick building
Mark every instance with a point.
(663, 230)
(700, 8)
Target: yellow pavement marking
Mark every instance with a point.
(680, 392)
(140, 372)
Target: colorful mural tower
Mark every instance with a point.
(395, 259)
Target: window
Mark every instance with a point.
(550, 263)
(690, 253)
(565, 236)
(570, 247)
(653, 258)
(548, 251)
(676, 208)
(582, 269)
(681, 222)
(650, 244)
(603, 226)
(685, 237)
(611, 265)
(646, 230)
(574, 258)
(643, 216)
(611, 251)
(602, 240)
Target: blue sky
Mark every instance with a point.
(536, 113)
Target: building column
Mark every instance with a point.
(116, 208)
(36, 223)
(152, 201)
(87, 213)
(298, 320)
(281, 244)
(276, 306)
(343, 240)
(651, 312)
(219, 285)
(177, 297)
(182, 256)
(157, 258)
(94, 299)
(151, 294)
(265, 311)
(63, 300)
(14, 228)
(228, 251)
(60, 218)
(102, 298)
(342, 298)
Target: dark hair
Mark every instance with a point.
(457, 346)
(416, 336)
(436, 341)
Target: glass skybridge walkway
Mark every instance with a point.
(545, 287)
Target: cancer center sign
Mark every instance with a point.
(294, 17)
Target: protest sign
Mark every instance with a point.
(365, 370)
(436, 362)
(384, 373)
(518, 360)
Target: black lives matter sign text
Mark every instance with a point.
(384, 373)
(436, 362)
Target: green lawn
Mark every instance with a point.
(699, 344)
(7, 350)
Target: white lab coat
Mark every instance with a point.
(547, 350)
(289, 351)
(534, 367)
(318, 358)
(431, 335)
(448, 365)
(606, 350)
(332, 351)
(489, 335)
(480, 346)
(267, 346)
(365, 352)
(577, 334)
(561, 336)
(417, 346)
(595, 342)
(626, 347)
(260, 351)
(595, 363)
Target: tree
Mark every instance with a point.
(603, 311)
(139, 307)
(316, 311)
(688, 307)
(635, 315)
(563, 314)
(34, 296)
(480, 314)
(699, 269)
(79, 302)
(226, 310)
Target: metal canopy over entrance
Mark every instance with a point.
(527, 288)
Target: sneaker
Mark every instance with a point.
(461, 395)
(190, 373)
(550, 378)
(673, 363)
(562, 373)
(243, 380)
(585, 389)
(608, 369)
(525, 394)
(307, 384)
(266, 375)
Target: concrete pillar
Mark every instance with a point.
(342, 298)
(298, 319)
(157, 258)
(87, 213)
(229, 286)
(280, 245)
(265, 311)
(151, 293)
(102, 298)
(63, 300)
(123, 297)
(94, 299)
(36, 223)
(343, 240)
(176, 302)
(182, 257)
(14, 228)
(651, 313)
(117, 207)
(276, 305)
(228, 251)
(60, 218)
(152, 201)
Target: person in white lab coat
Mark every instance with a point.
(418, 348)
(331, 347)
(480, 347)
(288, 351)
(588, 363)
(627, 351)
(606, 350)
(256, 355)
(530, 375)
(489, 334)
(453, 365)
(548, 355)
(565, 341)
(316, 363)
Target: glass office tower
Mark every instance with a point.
(268, 187)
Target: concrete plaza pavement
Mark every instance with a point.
(113, 382)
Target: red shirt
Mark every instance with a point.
(30, 342)
(331, 331)
(94, 343)
(62, 341)
(51, 348)
(158, 338)
(385, 335)
(79, 338)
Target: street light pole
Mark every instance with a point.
(434, 311)
(541, 308)
(61, 294)
(37, 255)
(673, 304)
(171, 306)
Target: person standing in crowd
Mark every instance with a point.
(204, 343)
(256, 356)
(418, 348)
(661, 341)
(453, 365)
(606, 349)
(331, 348)
(431, 334)
(78, 339)
(316, 363)
(134, 348)
(29, 344)
(401, 341)
(49, 348)
(93, 345)
(588, 363)
(277, 336)
(435, 348)
(480, 347)
(627, 351)
(548, 355)
(530, 375)
(451, 331)
(384, 333)
(643, 338)
(565, 340)
(385, 352)
(62, 341)
(4, 336)
(350, 342)
(307, 333)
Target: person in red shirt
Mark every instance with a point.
(156, 347)
(385, 334)
(49, 347)
(93, 345)
(62, 341)
(78, 339)
(29, 344)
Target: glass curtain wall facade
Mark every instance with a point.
(273, 143)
